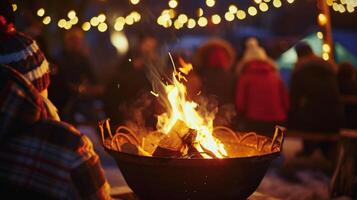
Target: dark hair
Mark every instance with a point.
(6, 11)
(303, 49)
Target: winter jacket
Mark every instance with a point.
(261, 94)
(315, 98)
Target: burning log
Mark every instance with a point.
(179, 142)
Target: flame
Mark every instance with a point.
(186, 111)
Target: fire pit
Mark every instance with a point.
(157, 178)
(186, 157)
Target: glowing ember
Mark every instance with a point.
(180, 109)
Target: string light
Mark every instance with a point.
(277, 3)
(252, 11)
(322, 19)
(233, 9)
(46, 20)
(241, 14)
(74, 20)
(71, 14)
(210, 3)
(94, 21)
(102, 27)
(263, 7)
(173, 3)
(168, 16)
(342, 6)
(182, 18)
(229, 16)
(200, 12)
(216, 19)
(325, 56)
(86, 26)
(134, 2)
(202, 21)
(14, 7)
(41, 12)
(102, 18)
(191, 23)
(326, 48)
(61, 23)
(320, 35)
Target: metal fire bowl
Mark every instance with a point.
(157, 178)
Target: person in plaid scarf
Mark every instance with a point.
(23, 54)
(40, 157)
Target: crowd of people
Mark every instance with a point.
(44, 156)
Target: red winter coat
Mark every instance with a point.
(261, 94)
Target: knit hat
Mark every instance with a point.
(22, 53)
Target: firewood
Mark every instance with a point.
(172, 144)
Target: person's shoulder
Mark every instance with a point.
(60, 134)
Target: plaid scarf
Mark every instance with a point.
(43, 156)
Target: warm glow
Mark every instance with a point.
(322, 19)
(263, 7)
(182, 18)
(120, 20)
(41, 12)
(229, 16)
(290, 1)
(191, 23)
(129, 20)
(94, 21)
(252, 11)
(325, 56)
(61, 23)
(74, 20)
(135, 1)
(200, 12)
(210, 3)
(233, 9)
(86, 26)
(320, 35)
(178, 24)
(46, 20)
(67, 25)
(181, 109)
(101, 18)
(326, 48)
(257, 1)
(102, 27)
(277, 3)
(14, 7)
(120, 42)
(71, 14)
(241, 14)
(118, 26)
(202, 21)
(216, 19)
(173, 3)
(136, 16)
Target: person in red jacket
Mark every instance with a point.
(261, 97)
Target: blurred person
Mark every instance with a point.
(315, 99)
(213, 63)
(40, 157)
(348, 86)
(74, 77)
(131, 84)
(262, 99)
